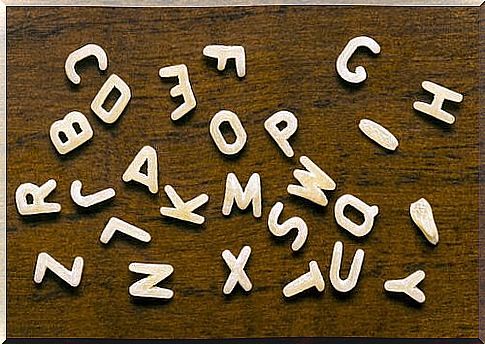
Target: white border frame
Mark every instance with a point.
(229, 3)
(133, 3)
(3, 172)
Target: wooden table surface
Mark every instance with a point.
(291, 53)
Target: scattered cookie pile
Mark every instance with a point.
(74, 130)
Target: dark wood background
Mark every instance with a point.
(291, 53)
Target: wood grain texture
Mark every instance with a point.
(482, 180)
(291, 54)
